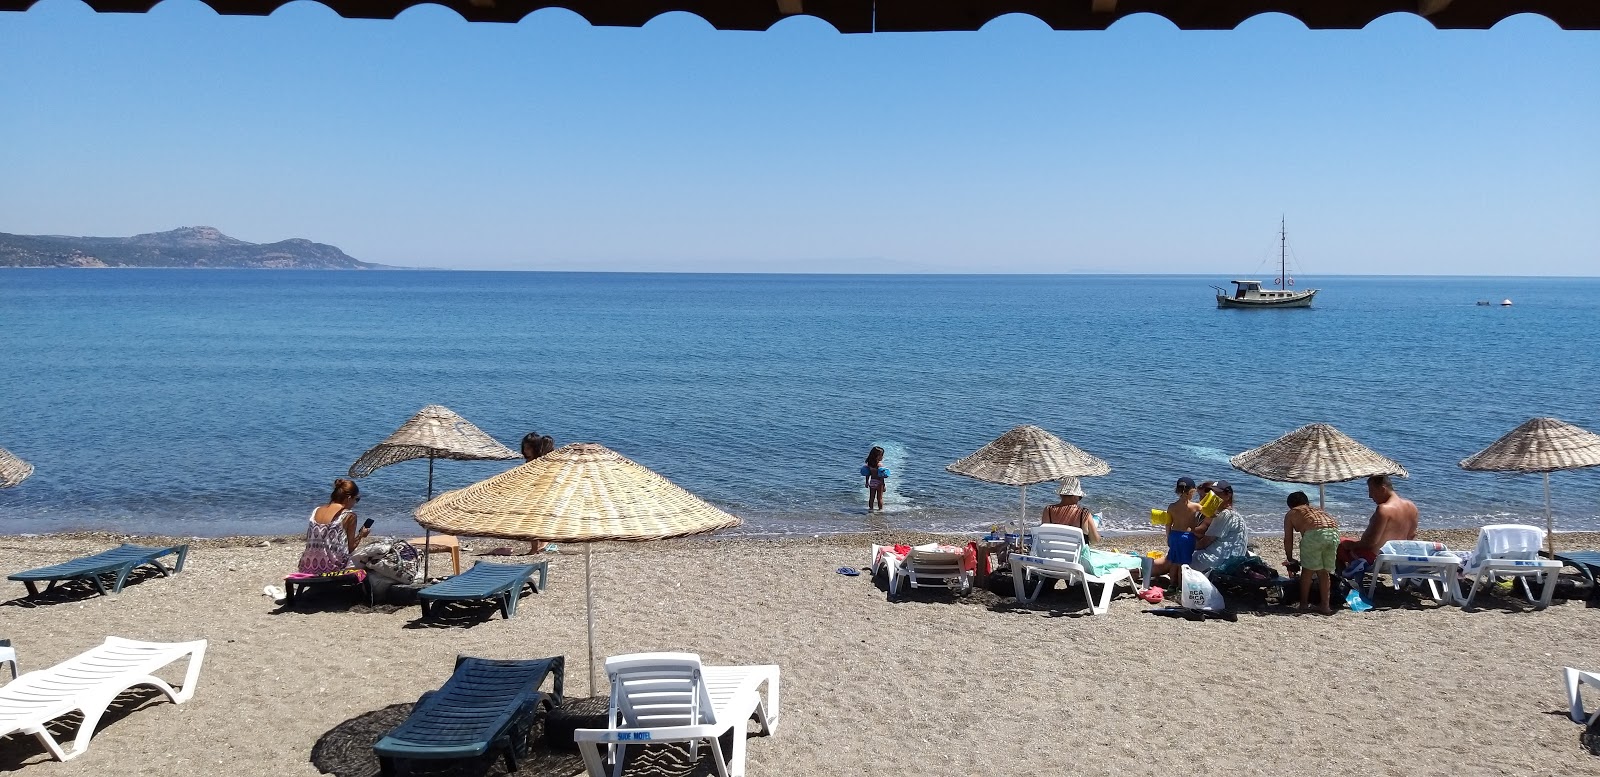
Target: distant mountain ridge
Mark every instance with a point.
(201, 247)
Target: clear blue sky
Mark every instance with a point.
(551, 144)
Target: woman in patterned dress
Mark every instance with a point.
(332, 535)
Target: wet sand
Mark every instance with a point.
(928, 686)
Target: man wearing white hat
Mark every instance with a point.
(1068, 512)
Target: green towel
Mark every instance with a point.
(1100, 562)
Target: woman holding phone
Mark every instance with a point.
(332, 535)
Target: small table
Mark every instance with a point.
(440, 543)
(984, 550)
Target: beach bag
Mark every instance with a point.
(393, 561)
(1198, 592)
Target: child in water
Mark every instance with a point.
(876, 476)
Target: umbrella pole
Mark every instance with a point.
(427, 533)
(588, 592)
(1322, 496)
(1549, 521)
(1023, 521)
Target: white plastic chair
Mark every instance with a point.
(8, 655)
(1574, 680)
(1055, 556)
(1413, 560)
(924, 567)
(671, 697)
(1511, 550)
(88, 683)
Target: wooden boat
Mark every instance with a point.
(1249, 294)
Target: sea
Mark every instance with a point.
(220, 402)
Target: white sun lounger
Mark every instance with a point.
(88, 684)
(1574, 680)
(671, 697)
(924, 567)
(1511, 550)
(1055, 556)
(1415, 560)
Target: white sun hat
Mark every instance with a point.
(1070, 487)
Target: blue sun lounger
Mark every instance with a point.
(501, 583)
(117, 562)
(1586, 561)
(485, 706)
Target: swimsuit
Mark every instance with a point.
(1318, 548)
(1180, 547)
(875, 477)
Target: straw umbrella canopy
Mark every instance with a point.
(1315, 454)
(12, 469)
(1541, 445)
(435, 432)
(868, 16)
(582, 492)
(1027, 455)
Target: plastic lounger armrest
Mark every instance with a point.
(641, 735)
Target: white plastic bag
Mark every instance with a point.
(1199, 593)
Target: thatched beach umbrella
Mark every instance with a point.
(435, 432)
(12, 469)
(1540, 445)
(1027, 455)
(1315, 454)
(580, 492)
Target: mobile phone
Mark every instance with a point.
(367, 524)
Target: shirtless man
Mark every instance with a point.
(1395, 519)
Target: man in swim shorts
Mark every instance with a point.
(1394, 519)
(1319, 544)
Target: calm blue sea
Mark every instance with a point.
(221, 402)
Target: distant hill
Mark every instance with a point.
(185, 247)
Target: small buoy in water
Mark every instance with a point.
(1505, 303)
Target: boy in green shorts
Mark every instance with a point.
(1319, 543)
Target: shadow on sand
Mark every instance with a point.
(21, 750)
(77, 590)
(346, 749)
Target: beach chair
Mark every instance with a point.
(671, 697)
(115, 564)
(8, 655)
(1055, 555)
(1586, 562)
(924, 566)
(1574, 680)
(486, 706)
(297, 583)
(501, 583)
(1417, 561)
(88, 684)
(1510, 550)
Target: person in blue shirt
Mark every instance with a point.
(877, 477)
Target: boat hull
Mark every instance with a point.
(1302, 300)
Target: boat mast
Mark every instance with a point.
(1283, 262)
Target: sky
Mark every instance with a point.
(551, 144)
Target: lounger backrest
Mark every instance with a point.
(651, 690)
(935, 563)
(1507, 542)
(1057, 543)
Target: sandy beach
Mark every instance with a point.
(929, 686)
